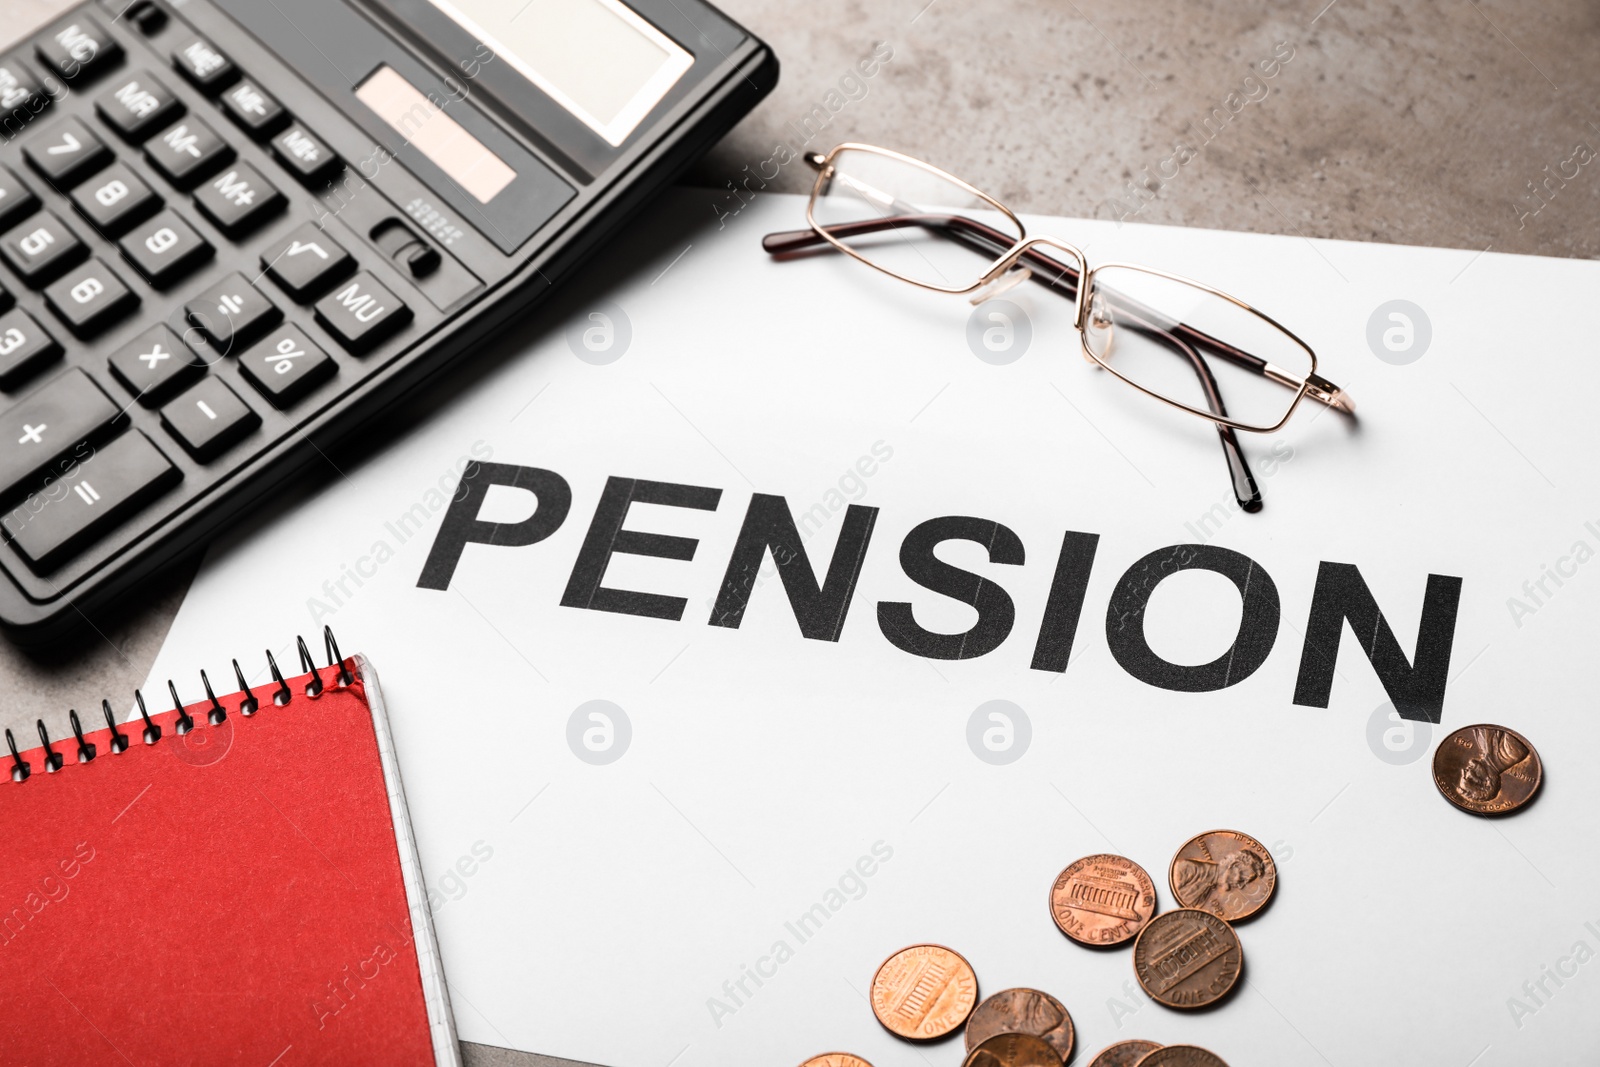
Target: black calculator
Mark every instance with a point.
(234, 231)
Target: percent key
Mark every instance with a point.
(286, 366)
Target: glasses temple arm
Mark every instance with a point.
(1056, 275)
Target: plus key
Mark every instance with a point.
(52, 428)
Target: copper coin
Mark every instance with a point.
(924, 992)
(1487, 770)
(1187, 958)
(1022, 1011)
(1013, 1050)
(1102, 900)
(1123, 1053)
(836, 1059)
(1227, 873)
(1182, 1056)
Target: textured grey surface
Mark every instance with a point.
(1416, 124)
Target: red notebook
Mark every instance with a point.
(242, 890)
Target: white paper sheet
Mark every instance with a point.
(611, 912)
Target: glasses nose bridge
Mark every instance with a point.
(1025, 244)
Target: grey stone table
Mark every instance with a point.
(1470, 124)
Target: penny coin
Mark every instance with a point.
(1487, 770)
(1013, 1050)
(1227, 873)
(1022, 1011)
(1182, 1056)
(1187, 958)
(1102, 900)
(836, 1059)
(924, 992)
(1123, 1053)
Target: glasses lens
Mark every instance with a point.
(1192, 347)
(913, 222)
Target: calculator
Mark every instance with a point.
(234, 231)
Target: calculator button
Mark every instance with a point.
(208, 419)
(304, 154)
(187, 152)
(306, 261)
(136, 105)
(25, 348)
(238, 199)
(66, 152)
(90, 298)
(103, 488)
(155, 365)
(165, 249)
(285, 366)
(361, 312)
(41, 248)
(253, 108)
(231, 311)
(16, 199)
(146, 16)
(20, 94)
(77, 47)
(205, 68)
(115, 199)
(50, 423)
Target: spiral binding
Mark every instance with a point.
(248, 705)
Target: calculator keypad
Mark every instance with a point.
(110, 482)
(231, 312)
(306, 262)
(360, 313)
(187, 151)
(25, 348)
(162, 186)
(66, 152)
(155, 365)
(16, 199)
(165, 249)
(19, 91)
(238, 200)
(208, 419)
(304, 154)
(254, 109)
(136, 105)
(90, 298)
(51, 423)
(203, 65)
(77, 48)
(286, 365)
(40, 248)
(115, 199)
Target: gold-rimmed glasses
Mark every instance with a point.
(1182, 342)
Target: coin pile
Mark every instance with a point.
(1185, 958)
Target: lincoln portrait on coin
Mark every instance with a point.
(1497, 752)
(1200, 882)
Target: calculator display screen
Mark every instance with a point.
(597, 58)
(426, 127)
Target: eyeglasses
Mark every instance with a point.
(1182, 342)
